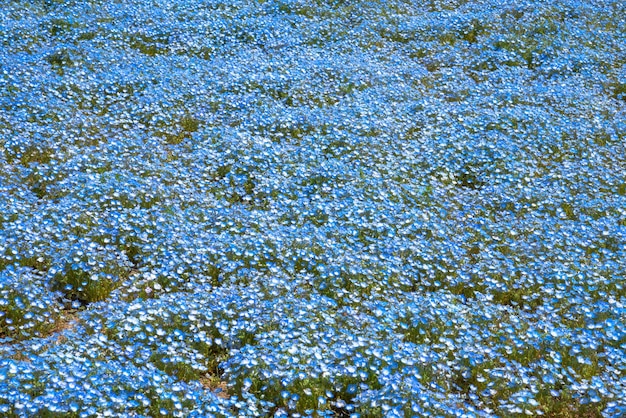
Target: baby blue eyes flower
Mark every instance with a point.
(305, 208)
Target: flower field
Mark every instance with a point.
(308, 208)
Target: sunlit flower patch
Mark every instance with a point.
(312, 208)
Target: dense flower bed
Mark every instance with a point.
(312, 208)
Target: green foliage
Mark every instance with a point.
(59, 60)
(619, 91)
(89, 272)
(149, 44)
(27, 309)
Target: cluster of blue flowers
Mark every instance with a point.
(312, 208)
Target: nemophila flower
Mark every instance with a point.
(29, 309)
(386, 210)
(89, 271)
